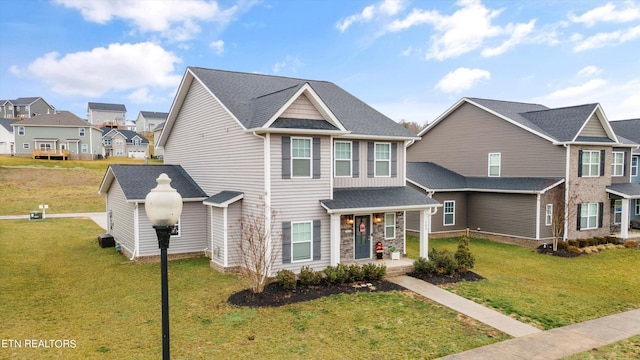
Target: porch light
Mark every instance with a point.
(377, 218)
(163, 205)
(349, 219)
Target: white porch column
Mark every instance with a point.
(425, 228)
(335, 239)
(624, 223)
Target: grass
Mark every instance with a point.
(627, 349)
(57, 283)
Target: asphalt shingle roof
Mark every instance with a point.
(60, 118)
(137, 180)
(154, 114)
(6, 123)
(630, 129)
(107, 107)
(255, 98)
(378, 197)
(222, 197)
(630, 190)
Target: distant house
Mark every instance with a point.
(7, 137)
(630, 129)
(147, 121)
(60, 135)
(25, 107)
(124, 143)
(158, 152)
(111, 115)
(497, 167)
(125, 188)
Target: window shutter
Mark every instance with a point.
(286, 242)
(370, 159)
(316, 240)
(316, 158)
(624, 164)
(579, 165)
(355, 159)
(600, 215)
(578, 222)
(286, 157)
(602, 162)
(394, 159)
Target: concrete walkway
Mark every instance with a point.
(529, 342)
(99, 218)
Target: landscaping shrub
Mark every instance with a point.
(562, 245)
(445, 262)
(286, 279)
(424, 266)
(573, 243)
(574, 249)
(463, 256)
(374, 272)
(337, 274)
(309, 277)
(630, 244)
(355, 273)
(583, 243)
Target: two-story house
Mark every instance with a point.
(147, 121)
(25, 107)
(103, 114)
(330, 167)
(124, 143)
(630, 129)
(60, 135)
(498, 167)
(7, 138)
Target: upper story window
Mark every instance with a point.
(119, 142)
(494, 164)
(301, 157)
(107, 141)
(449, 213)
(617, 164)
(590, 160)
(136, 141)
(21, 130)
(382, 159)
(634, 165)
(81, 131)
(342, 158)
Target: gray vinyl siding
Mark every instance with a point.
(297, 199)
(217, 235)
(627, 166)
(460, 223)
(548, 198)
(463, 140)
(363, 180)
(302, 108)
(122, 217)
(193, 232)
(39, 107)
(92, 137)
(593, 128)
(507, 214)
(234, 216)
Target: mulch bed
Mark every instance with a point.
(274, 295)
(441, 279)
(548, 250)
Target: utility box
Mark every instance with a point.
(106, 240)
(35, 215)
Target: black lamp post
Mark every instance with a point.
(163, 206)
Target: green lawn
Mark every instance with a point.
(57, 283)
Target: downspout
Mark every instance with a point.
(136, 229)
(566, 191)
(538, 216)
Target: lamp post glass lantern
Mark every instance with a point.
(163, 206)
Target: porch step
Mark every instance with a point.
(398, 270)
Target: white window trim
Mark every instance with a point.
(634, 168)
(387, 225)
(81, 131)
(26, 146)
(637, 206)
(178, 227)
(614, 164)
(310, 158)
(597, 163)
(335, 159)
(499, 165)
(21, 130)
(616, 212)
(548, 215)
(589, 215)
(375, 160)
(310, 241)
(84, 148)
(445, 213)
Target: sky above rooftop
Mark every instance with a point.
(411, 60)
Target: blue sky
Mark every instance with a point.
(411, 60)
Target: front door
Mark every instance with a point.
(362, 231)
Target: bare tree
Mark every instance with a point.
(412, 126)
(257, 253)
(563, 209)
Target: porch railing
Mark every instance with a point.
(49, 153)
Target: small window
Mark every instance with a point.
(617, 164)
(107, 141)
(637, 207)
(342, 156)
(617, 212)
(494, 164)
(449, 213)
(301, 157)
(119, 142)
(81, 131)
(21, 130)
(119, 152)
(26, 146)
(634, 165)
(548, 216)
(85, 148)
(589, 216)
(590, 163)
(175, 232)
(136, 142)
(301, 241)
(390, 225)
(383, 160)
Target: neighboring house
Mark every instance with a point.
(147, 121)
(125, 188)
(329, 166)
(630, 129)
(497, 167)
(60, 135)
(130, 125)
(111, 115)
(7, 138)
(158, 152)
(124, 143)
(25, 107)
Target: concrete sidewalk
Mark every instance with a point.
(99, 218)
(529, 342)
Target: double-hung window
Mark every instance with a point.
(634, 165)
(617, 164)
(548, 216)
(449, 213)
(21, 131)
(390, 225)
(590, 163)
(589, 216)
(342, 157)
(301, 240)
(301, 157)
(176, 229)
(637, 206)
(494, 164)
(119, 142)
(81, 131)
(383, 159)
(85, 148)
(617, 212)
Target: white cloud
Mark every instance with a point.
(174, 19)
(118, 67)
(589, 71)
(217, 46)
(141, 96)
(518, 32)
(290, 63)
(461, 79)
(384, 8)
(607, 39)
(578, 91)
(608, 13)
